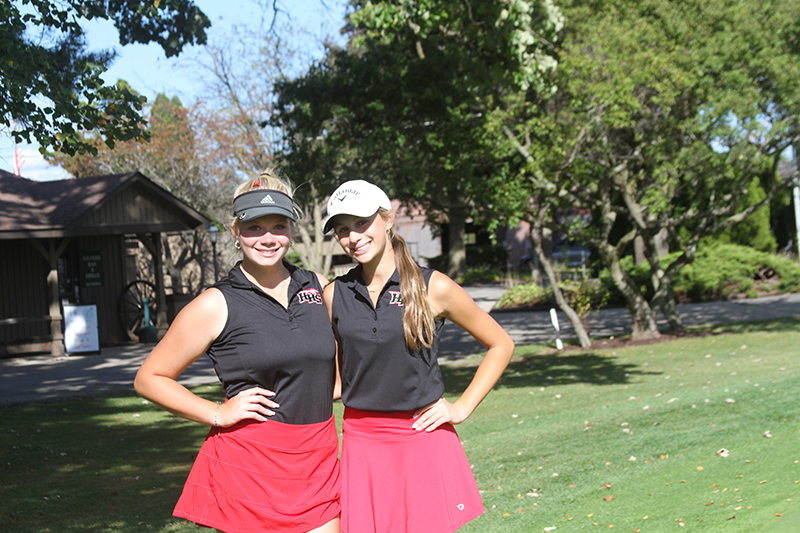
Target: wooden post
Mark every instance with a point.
(158, 265)
(56, 319)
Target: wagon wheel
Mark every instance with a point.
(130, 306)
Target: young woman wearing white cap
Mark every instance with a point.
(403, 467)
(270, 461)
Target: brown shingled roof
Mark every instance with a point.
(52, 207)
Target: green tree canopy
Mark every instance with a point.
(404, 105)
(665, 115)
(175, 158)
(50, 85)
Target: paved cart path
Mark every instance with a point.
(46, 378)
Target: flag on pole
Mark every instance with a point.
(19, 160)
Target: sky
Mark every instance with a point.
(149, 71)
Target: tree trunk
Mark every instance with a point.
(643, 320)
(317, 254)
(173, 268)
(663, 297)
(457, 252)
(561, 302)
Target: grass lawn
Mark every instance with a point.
(630, 439)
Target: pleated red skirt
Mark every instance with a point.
(264, 476)
(398, 480)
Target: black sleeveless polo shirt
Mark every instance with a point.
(379, 372)
(290, 351)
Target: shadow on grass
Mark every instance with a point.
(95, 465)
(554, 369)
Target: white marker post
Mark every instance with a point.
(554, 320)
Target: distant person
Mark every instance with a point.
(403, 467)
(270, 460)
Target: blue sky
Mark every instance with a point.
(149, 72)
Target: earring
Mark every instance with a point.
(237, 245)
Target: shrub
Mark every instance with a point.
(718, 272)
(525, 295)
(479, 275)
(581, 295)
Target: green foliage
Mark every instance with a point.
(51, 86)
(527, 294)
(405, 104)
(719, 272)
(755, 230)
(666, 115)
(722, 271)
(582, 295)
(479, 275)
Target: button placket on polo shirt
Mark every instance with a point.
(294, 288)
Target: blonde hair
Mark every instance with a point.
(270, 179)
(419, 317)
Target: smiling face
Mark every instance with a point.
(264, 240)
(363, 238)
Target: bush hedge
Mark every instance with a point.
(719, 272)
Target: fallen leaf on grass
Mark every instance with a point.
(608, 498)
(723, 453)
(768, 434)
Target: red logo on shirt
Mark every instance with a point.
(309, 296)
(395, 298)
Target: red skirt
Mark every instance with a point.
(264, 476)
(398, 480)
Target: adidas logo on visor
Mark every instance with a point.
(267, 200)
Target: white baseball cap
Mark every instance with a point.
(358, 198)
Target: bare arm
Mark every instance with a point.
(328, 297)
(451, 301)
(188, 338)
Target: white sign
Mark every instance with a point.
(80, 332)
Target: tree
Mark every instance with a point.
(51, 86)
(405, 102)
(174, 159)
(666, 113)
(240, 75)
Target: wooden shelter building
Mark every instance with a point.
(66, 242)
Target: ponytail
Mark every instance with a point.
(419, 318)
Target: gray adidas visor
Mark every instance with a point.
(261, 202)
